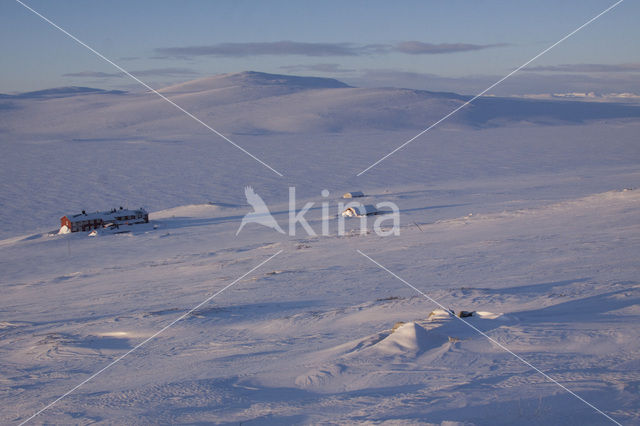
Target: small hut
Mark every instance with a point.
(353, 194)
(360, 211)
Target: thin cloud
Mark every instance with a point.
(420, 48)
(93, 74)
(154, 72)
(165, 72)
(281, 48)
(630, 67)
(264, 48)
(328, 68)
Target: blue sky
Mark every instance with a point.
(459, 46)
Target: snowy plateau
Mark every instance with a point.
(525, 212)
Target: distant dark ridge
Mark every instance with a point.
(62, 92)
(485, 111)
(265, 79)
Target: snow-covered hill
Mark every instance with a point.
(258, 103)
(521, 211)
(255, 80)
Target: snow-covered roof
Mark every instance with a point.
(107, 215)
(360, 210)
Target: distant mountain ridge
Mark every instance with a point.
(254, 78)
(259, 103)
(61, 92)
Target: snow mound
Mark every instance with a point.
(411, 339)
(320, 376)
(489, 315)
(439, 314)
(190, 210)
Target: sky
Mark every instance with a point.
(459, 46)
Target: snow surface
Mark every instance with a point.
(526, 222)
